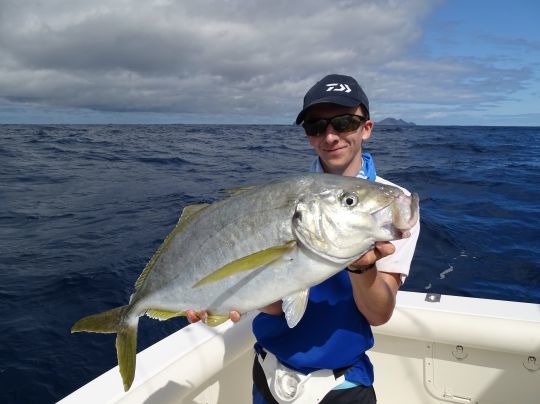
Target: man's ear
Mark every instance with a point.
(366, 131)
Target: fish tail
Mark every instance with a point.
(108, 322)
(115, 321)
(126, 351)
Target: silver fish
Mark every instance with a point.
(256, 247)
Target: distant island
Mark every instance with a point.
(395, 122)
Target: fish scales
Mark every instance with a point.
(268, 243)
(192, 255)
(215, 229)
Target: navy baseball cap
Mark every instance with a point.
(335, 89)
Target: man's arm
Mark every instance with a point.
(375, 292)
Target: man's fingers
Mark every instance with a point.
(234, 316)
(380, 250)
(383, 249)
(193, 317)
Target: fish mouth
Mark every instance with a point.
(398, 216)
(408, 208)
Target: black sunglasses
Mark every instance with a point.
(341, 123)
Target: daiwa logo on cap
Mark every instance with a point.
(342, 87)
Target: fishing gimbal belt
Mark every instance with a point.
(281, 385)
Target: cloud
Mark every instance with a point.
(467, 83)
(225, 57)
(192, 56)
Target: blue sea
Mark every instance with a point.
(84, 207)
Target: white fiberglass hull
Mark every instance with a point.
(458, 350)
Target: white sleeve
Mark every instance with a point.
(400, 260)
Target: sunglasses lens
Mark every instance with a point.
(315, 128)
(346, 123)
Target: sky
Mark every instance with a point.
(431, 62)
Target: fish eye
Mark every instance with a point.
(349, 200)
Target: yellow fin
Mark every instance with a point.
(126, 338)
(126, 350)
(189, 212)
(164, 314)
(215, 320)
(250, 262)
(108, 322)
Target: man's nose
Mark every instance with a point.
(330, 134)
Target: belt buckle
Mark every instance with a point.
(287, 385)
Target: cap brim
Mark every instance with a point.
(343, 101)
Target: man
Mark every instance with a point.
(330, 342)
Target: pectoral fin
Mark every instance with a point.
(294, 307)
(247, 263)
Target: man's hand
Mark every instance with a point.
(192, 317)
(381, 249)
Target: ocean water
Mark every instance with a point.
(83, 208)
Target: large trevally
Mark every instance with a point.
(256, 247)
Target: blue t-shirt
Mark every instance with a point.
(332, 334)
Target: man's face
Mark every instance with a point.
(339, 152)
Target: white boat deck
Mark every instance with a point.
(457, 350)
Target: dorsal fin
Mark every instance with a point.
(190, 212)
(238, 191)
